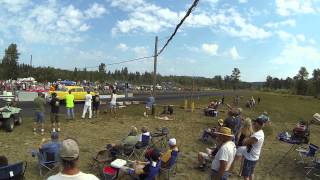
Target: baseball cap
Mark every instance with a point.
(260, 121)
(172, 142)
(69, 149)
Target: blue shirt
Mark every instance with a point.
(150, 101)
(151, 171)
(53, 147)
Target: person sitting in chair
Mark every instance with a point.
(204, 157)
(170, 156)
(212, 108)
(144, 138)
(3, 161)
(51, 146)
(129, 142)
(145, 170)
(209, 132)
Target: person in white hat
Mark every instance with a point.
(69, 154)
(170, 156)
(225, 155)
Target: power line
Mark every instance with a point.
(195, 3)
(122, 62)
(130, 60)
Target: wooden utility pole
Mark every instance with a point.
(29, 73)
(31, 60)
(155, 67)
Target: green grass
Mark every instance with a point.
(285, 111)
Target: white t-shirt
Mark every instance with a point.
(88, 100)
(146, 134)
(227, 152)
(254, 154)
(79, 176)
(114, 99)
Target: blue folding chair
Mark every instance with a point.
(47, 161)
(172, 165)
(13, 171)
(141, 148)
(308, 153)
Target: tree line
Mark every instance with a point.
(11, 69)
(299, 84)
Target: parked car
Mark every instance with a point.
(78, 92)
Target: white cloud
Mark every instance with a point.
(47, 22)
(292, 7)
(15, 6)
(234, 53)
(122, 47)
(286, 23)
(243, 1)
(284, 36)
(301, 37)
(211, 49)
(95, 11)
(150, 18)
(140, 51)
(293, 39)
(296, 54)
(312, 41)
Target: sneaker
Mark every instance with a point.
(202, 167)
(42, 131)
(58, 130)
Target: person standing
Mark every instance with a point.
(54, 115)
(252, 149)
(87, 105)
(222, 100)
(96, 104)
(113, 102)
(225, 155)
(70, 105)
(39, 102)
(149, 105)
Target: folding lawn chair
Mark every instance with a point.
(99, 161)
(172, 166)
(128, 151)
(141, 148)
(13, 171)
(160, 138)
(314, 167)
(47, 161)
(307, 153)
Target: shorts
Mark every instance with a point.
(214, 173)
(95, 107)
(112, 105)
(54, 117)
(149, 106)
(248, 168)
(39, 117)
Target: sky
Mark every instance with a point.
(260, 37)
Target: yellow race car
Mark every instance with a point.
(78, 92)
